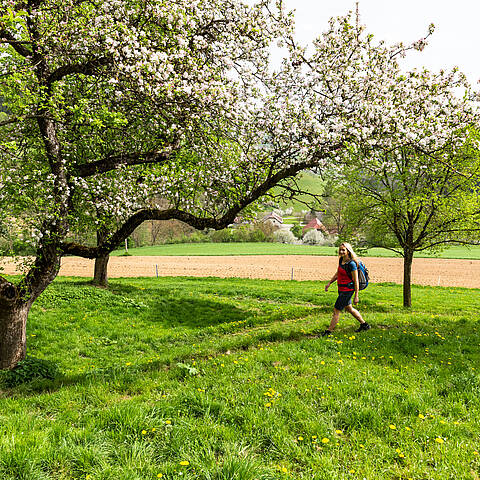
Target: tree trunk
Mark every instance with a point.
(407, 277)
(100, 277)
(13, 326)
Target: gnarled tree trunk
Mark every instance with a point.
(13, 323)
(16, 301)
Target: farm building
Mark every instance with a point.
(315, 224)
(273, 218)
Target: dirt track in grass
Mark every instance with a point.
(426, 271)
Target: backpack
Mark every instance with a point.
(363, 276)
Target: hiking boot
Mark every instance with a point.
(326, 333)
(363, 327)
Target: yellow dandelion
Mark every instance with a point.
(144, 432)
(439, 440)
(268, 405)
(392, 427)
(421, 416)
(475, 452)
(153, 429)
(325, 440)
(299, 438)
(338, 432)
(184, 463)
(159, 475)
(284, 470)
(168, 422)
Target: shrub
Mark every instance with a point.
(221, 236)
(297, 230)
(258, 232)
(267, 229)
(29, 369)
(285, 236)
(314, 237)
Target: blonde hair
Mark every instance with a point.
(350, 251)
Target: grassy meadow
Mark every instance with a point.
(182, 249)
(223, 379)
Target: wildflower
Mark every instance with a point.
(393, 427)
(184, 463)
(284, 470)
(476, 453)
(168, 422)
(153, 429)
(338, 432)
(439, 440)
(159, 475)
(268, 405)
(144, 432)
(325, 440)
(299, 438)
(421, 416)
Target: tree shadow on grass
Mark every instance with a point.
(191, 312)
(400, 347)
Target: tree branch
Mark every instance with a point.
(112, 162)
(199, 223)
(18, 46)
(87, 68)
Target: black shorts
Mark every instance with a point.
(344, 299)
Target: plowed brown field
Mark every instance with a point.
(444, 272)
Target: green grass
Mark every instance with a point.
(471, 253)
(227, 375)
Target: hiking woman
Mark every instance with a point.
(346, 277)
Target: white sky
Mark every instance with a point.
(455, 42)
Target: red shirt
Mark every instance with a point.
(344, 280)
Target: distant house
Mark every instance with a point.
(273, 218)
(315, 224)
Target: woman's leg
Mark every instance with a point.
(334, 321)
(355, 313)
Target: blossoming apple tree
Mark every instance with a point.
(121, 111)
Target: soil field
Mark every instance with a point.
(426, 271)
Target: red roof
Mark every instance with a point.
(316, 224)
